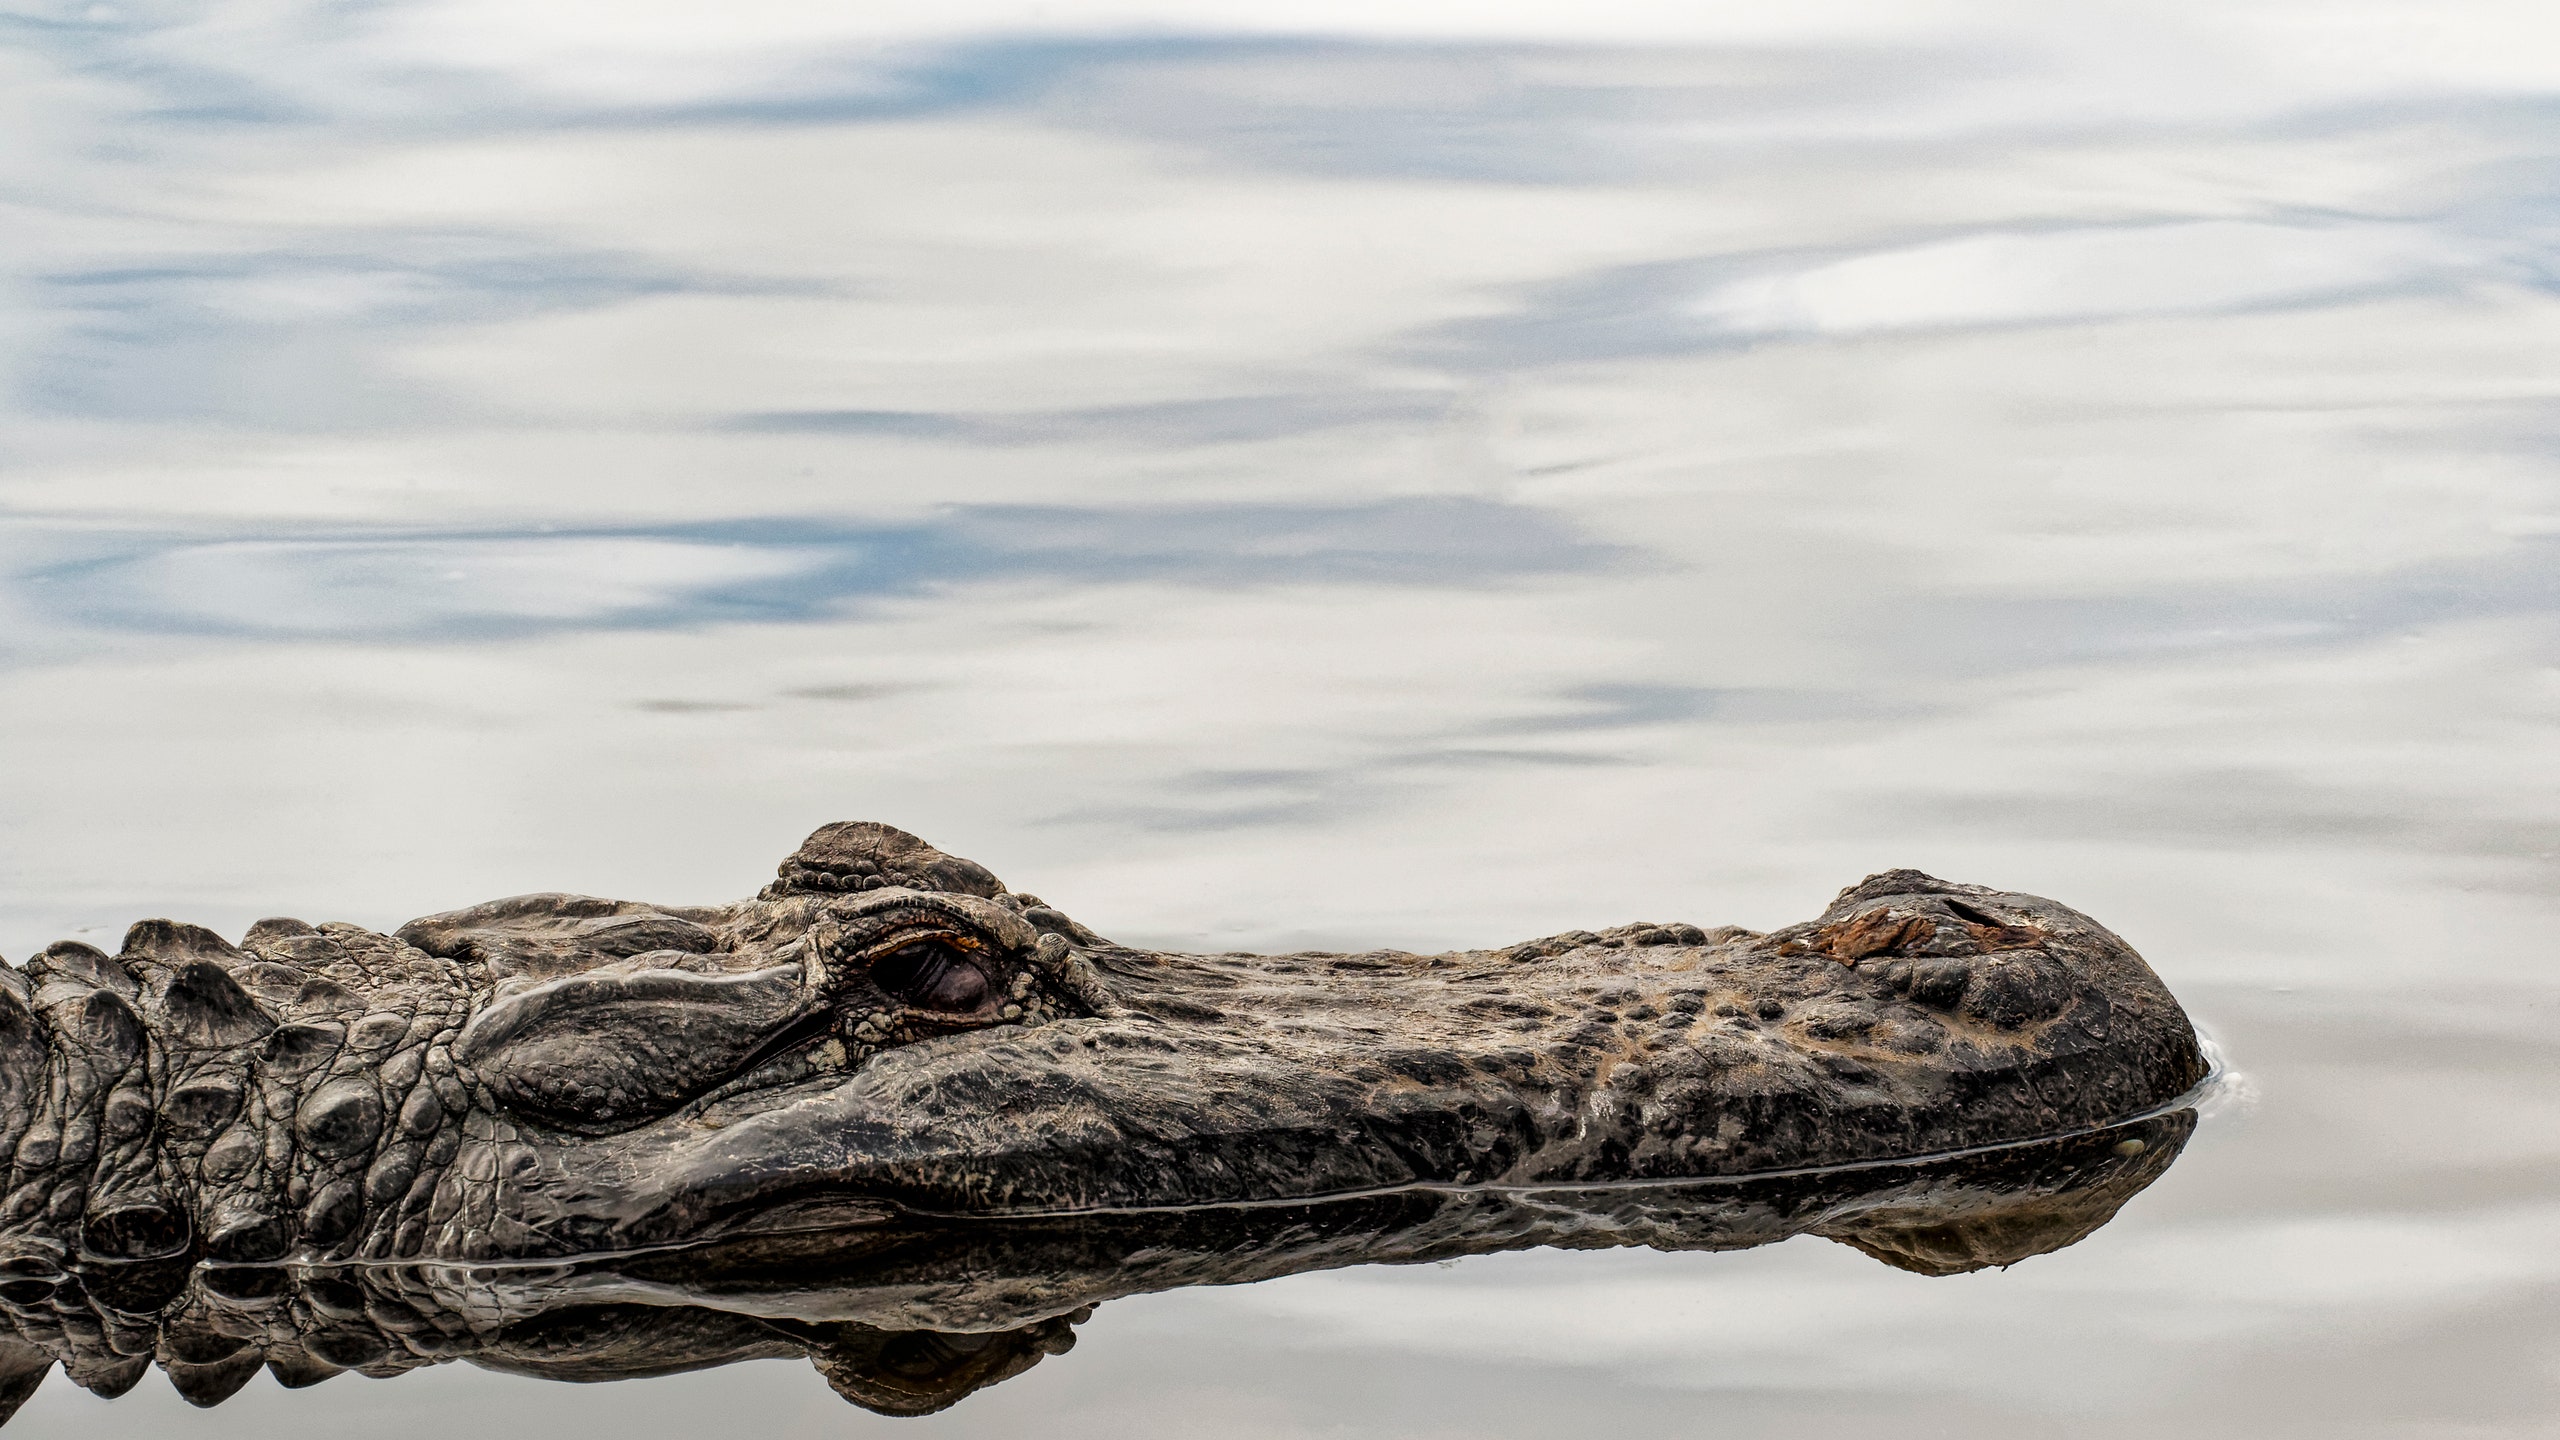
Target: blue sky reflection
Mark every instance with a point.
(444, 586)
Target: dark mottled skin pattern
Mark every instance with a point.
(888, 1026)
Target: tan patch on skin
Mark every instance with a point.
(1889, 932)
(1875, 932)
(2005, 937)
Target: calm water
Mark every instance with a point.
(1427, 481)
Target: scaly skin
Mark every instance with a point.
(887, 1027)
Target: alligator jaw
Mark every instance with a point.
(1913, 1018)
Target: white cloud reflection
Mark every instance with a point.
(2085, 274)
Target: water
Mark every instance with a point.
(1418, 480)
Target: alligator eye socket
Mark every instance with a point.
(932, 975)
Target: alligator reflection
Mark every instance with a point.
(910, 1316)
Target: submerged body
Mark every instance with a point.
(887, 1028)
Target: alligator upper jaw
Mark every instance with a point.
(1226, 1080)
(1913, 1017)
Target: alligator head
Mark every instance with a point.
(889, 1031)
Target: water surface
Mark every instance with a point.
(1422, 482)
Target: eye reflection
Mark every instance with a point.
(932, 975)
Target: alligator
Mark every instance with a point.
(887, 1030)
(912, 1314)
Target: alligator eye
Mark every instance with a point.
(931, 975)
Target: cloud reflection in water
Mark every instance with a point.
(781, 570)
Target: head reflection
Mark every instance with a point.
(911, 1316)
